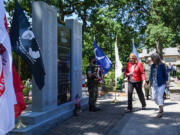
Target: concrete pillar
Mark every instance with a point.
(44, 18)
(76, 56)
(45, 111)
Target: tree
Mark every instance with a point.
(162, 27)
(159, 36)
(152, 23)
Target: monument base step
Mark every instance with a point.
(40, 122)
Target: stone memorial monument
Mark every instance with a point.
(53, 103)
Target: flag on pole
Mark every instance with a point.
(7, 96)
(135, 52)
(118, 64)
(24, 44)
(102, 59)
(18, 86)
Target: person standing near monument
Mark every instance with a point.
(174, 70)
(169, 69)
(136, 77)
(158, 81)
(92, 84)
(147, 68)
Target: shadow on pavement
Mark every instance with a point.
(112, 120)
(172, 103)
(146, 123)
(92, 123)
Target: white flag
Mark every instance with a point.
(8, 98)
(118, 65)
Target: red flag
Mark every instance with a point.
(2, 85)
(18, 87)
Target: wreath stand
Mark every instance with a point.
(19, 124)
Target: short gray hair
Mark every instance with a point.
(156, 56)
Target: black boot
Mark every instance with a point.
(97, 109)
(92, 108)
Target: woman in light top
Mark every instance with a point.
(158, 81)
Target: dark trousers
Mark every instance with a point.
(138, 87)
(147, 90)
(93, 95)
(174, 73)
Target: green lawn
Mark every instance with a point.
(178, 85)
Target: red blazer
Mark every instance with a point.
(139, 74)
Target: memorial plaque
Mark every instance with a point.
(64, 65)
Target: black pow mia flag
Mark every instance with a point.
(25, 45)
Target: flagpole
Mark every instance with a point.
(133, 40)
(115, 100)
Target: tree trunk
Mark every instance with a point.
(159, 49)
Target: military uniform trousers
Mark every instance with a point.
(93, 95)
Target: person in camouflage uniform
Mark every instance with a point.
(147, 68)
(92, 84)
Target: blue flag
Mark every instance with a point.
(102, 59)
(135, 52)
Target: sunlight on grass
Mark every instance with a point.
(178, 85)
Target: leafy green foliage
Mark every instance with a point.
(22, 67)
(159, 33)
(109, 81)
(151, 23)
(162, 29)
(26, 91)
(120, 81)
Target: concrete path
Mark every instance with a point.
(93, 123)
(113, 121)
(144, 122)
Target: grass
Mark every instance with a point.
(178, 85)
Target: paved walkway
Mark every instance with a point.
(112, 120)
(92, 123)
(144, 122)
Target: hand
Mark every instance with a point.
(144, 83)
(129, 74)
(149, 85)
(167, 84)
(94, 73)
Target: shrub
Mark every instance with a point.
(26, 90)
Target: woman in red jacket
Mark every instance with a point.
(136, 77)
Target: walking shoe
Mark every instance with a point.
(128, 111)
(98, 109)
(144, 108)
(93, 109)
(159, 115)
